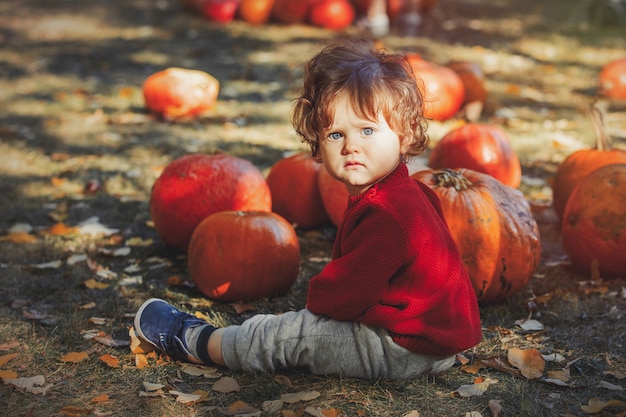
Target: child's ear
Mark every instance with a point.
(405, 145)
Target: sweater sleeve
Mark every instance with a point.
(371, 255)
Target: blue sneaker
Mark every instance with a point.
(164, 326)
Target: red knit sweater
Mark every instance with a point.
(394, 265)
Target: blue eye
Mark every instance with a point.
(368, 131)
(335, 135)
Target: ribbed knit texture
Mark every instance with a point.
(395, 265)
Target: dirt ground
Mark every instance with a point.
(79, 154)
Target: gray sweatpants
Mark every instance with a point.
(265, 343)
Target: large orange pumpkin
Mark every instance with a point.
(441, 87)
(493, 227)
(583, 162)
(194, 186)
(480, 147)
(295, 191)
(243, 256)
(179, 92)
(594, 221)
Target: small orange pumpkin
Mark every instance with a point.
(243, 256)
(583, 162)
(179, 92)
(594, 221)
(493, 227)
(295, 191)
(255, 12)
(473, 79)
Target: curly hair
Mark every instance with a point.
(376, 82)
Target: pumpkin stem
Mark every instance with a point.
(603, 140)
(451, 178)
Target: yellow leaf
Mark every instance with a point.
(138, 345)
(529, 361)
(92, 284)
(100, 398)
(19, 237)
(596, 405)
(74, 357)
(4, 359)
(6, 374)
(110, 360)
(141, 361)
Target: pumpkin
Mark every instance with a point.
(243, 256)
(295, 192)
(332, 14)
(221, 11)
(440, 86)
(179, 92)
(473, 79)
(480, 147)
(194, 186)
(290, 11)
(493, 227)
(581, 163)
(594, 221)
(255, 11)
(334, 196)
(612, 79)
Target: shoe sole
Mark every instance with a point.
(138, 331)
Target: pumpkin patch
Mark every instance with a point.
(194, 186)
(243, 256)
(493, 227)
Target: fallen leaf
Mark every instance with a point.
(34, 385)
(141, 361)
(240, 408)
(473, 414)
(87, 306)
(19, 237)
(528, 361)
(184, 398)
(4, 359)
(495, 407)
(9, 345)
(200, 370)
(529, 325)
(110, 342)
(242, 307)
(473, 368)
(60, 229)
(92, 284)
(49, 265)
(75, 357)
(595, 405)
(72, 411)
(412, 413)
(319, 412)
(93, 227)
(151, 386)
(272, 407)
(226, 385)
(612, 387)
(470, 390)
(295, 397)
(283, 380)
(7, 374)
(138, 345)
(103, 398)
(110, 360)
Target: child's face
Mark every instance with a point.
(357, 151)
